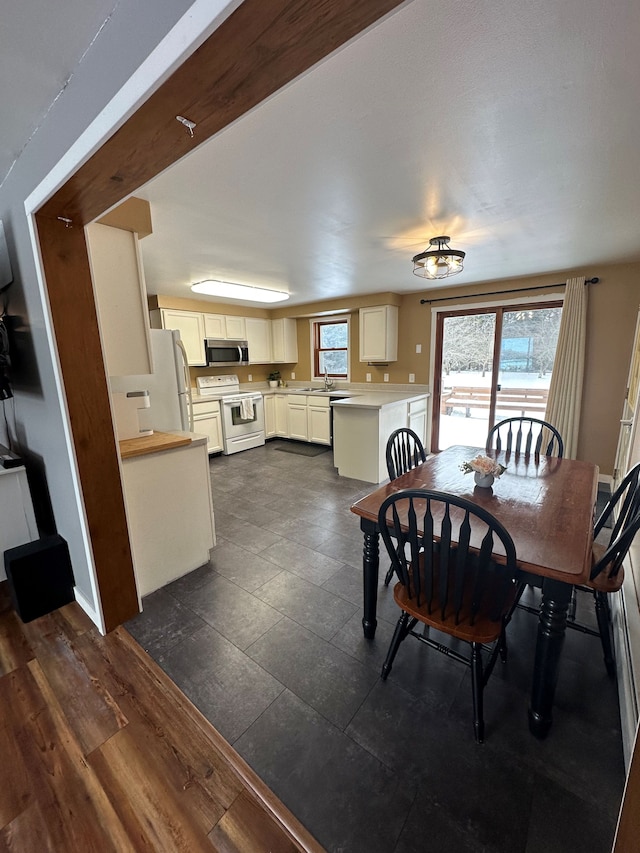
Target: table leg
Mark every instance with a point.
(370, 565)
(551, 630)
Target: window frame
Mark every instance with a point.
(315, 324)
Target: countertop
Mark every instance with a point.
(156, 443)
(378, 399)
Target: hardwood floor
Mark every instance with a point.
(100, 751)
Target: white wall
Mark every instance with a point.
(133, 31)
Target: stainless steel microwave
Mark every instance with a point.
(225, 353)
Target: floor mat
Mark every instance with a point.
(304, 449)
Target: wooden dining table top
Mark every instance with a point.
(546, 504)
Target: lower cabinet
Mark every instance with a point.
(297, 412)
(206, 421)
(417, 418)
(319, 420)
(304, 418)
(269, 416)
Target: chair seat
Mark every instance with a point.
(484, 629)
(602, 582)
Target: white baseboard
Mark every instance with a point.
(95, 617)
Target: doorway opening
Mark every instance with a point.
(491, 363)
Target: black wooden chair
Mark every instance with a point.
(607, 574)
(404, 452)
(525, 435)
(449, 580)
(622, 515)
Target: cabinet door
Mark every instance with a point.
(269, 415)
(417, 419)
(284, 333)
(282, 415)
(379, 333)
(298, 421)
(318, 419)
(235, 328)
(190, 324)
(215, 327)
(121, 299)
(259, 338)
(210, 426)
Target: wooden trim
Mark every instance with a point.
(261, 47)
(75, 319)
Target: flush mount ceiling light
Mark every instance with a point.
(440, 261)
(229, 290)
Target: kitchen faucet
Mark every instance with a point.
(328, 383)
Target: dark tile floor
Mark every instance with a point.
(266, 640)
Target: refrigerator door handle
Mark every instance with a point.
(187, 381)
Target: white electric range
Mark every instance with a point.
(242, 412)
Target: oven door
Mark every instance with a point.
(242, 417)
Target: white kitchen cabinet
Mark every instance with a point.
(170, 513)
(259, 339)
(224, 327)
(284, 339)
(297, 414)
(417, 418)
(190, 324)
(207, 421)
(379, 333)
(215, 326)
(269, 416)
(235, 328)
(319, 420)
(281, 415)
(121, 299)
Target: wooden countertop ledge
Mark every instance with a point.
(153, 443)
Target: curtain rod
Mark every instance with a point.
(594, 280)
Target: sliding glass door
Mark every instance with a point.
(491, 364)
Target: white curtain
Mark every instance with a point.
(565, 393)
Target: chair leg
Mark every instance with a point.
(401, 631)
(477, 690)
(602, 615)
(388, 576)
(502, 646)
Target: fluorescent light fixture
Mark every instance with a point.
(229, 290)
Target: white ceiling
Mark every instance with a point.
(41, 43)
(512, 126)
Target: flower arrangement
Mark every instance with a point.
(483, 465)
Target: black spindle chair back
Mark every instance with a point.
(525, 435)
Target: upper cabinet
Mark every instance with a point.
(190, 324)
(224, 327)
(121, 299)
(379, 333)
(284, 340)
(259, 339)
(269, 340)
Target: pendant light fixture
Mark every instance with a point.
(439, 261)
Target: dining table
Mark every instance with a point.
(546, 504)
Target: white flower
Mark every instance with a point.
(483, 465)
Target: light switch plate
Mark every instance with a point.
(251, 377)
(368, 377)
(418, 347)
(386, 377)
(412, 377)
(293, 375)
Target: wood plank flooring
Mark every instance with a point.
(100, 751)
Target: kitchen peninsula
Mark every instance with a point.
(167, 490)
(363, 423)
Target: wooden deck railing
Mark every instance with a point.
(523, 400)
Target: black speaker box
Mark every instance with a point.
(40, 576)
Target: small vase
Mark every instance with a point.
(485, 481)
(273, 383)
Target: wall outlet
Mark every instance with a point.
(412, 377)
(418, 347)
(293, 375)
(386, 377)
(250, 377)
(368, 377)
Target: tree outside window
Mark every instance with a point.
(331, 348)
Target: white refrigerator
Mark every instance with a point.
(169, 385)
